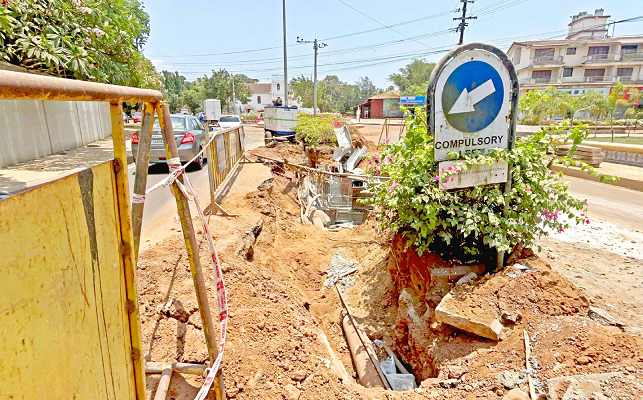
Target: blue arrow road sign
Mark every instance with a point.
(472, 96)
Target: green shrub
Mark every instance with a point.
(314, 131)
(469, 224)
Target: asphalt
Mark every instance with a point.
(160, 206)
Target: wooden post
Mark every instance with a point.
(127, 245)
(140, 179)
(211, 165)
(191, 244)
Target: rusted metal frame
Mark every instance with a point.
(192, 247)
(183, 368)
(164, 382)
(19, 85)
(513, 114)
(140, 179)
(127, 244)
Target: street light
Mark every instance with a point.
(316, 46)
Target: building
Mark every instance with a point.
(263, 94)
(383, 105)
(586, 59)
(260, 98)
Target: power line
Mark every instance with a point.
(388, 27)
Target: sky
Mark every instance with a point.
(196, 36)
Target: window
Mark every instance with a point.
(177, 123)
(624, 71)
(567, 72)
(598, 50)
(258, 99)
(629, 48)
(543, 76)
(278, 86)
(197, 124)
(571, 51)
(544, 54)
(594, 75)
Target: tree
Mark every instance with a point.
(366, 88)
(414, 74)
(96, 40)
(634, 112)
(302, 90)
(602, 105)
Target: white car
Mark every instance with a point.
(229, 121)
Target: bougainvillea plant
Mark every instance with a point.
(469, 224)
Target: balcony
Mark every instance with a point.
(602, 58)
(586, 79)
(547, 60)
(638, 56)
(536, 81)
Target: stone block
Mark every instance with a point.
(482, 325)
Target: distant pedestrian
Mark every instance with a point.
(279, 102)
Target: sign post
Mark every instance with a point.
(472, 104)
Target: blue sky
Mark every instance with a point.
(189, 36)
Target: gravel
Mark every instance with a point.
(341, 271)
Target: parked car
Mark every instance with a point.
(190, 139)
(137, 116)
(229, 121)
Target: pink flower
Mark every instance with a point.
(370, 162)
(553, 172)
(376, 157)
(322, 116)
(457, 171)
(450, 168)
(377, 170)
(98, 32)
(386, 141)
(392, 187)
(587, 221)
(335, 122)
(561, 229)
(528, 189)
(389, 159)
(437, 178)
(451, 179)
(441, 170)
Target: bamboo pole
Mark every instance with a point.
(127, 247)
(182, 368)
(532, 390)
(140, 179)
(191, 244)
(164, 382)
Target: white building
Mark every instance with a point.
(263, 94)
(586, 59)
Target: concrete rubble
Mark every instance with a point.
(341, 271)
(482, 325)
(579, 386)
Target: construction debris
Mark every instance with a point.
(482, 324)
(339, 272)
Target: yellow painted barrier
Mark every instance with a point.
(225, 153)
(64, 326)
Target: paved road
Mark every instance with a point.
(620, 206)
(160, 206)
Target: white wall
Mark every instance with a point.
(31, 129)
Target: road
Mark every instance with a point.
(160, 206)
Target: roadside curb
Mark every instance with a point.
(628, 183)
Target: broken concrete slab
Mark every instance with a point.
(484, 325)
(604, 318)
(578, 386)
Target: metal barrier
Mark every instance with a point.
(224, 156)
(70, 322)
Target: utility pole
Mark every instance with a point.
(316, 47)
(285, 57)
(463, 19)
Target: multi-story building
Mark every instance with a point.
(586, 59)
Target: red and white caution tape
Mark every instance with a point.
(138, 198)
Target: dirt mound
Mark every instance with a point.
(285, 338)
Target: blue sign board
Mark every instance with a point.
(413, 100)
(472, 96)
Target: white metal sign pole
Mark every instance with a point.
(473, 98)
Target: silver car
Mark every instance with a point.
(190, 139)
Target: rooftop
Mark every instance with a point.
(259, 87)
(391, 94)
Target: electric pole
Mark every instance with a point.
(463, 20)
(283, 3)
(316, 47)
